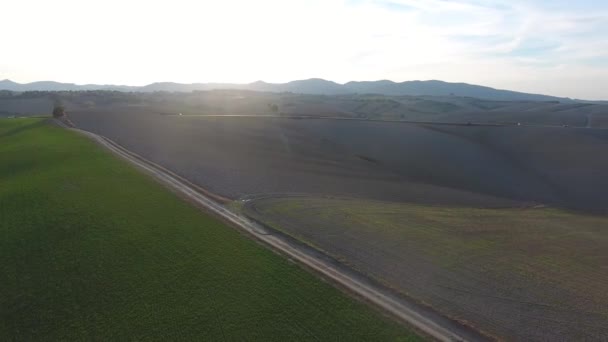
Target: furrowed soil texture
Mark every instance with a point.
(481, 166)
(536, 274)
(235, 156)
(91, 249)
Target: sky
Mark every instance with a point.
(557, 47)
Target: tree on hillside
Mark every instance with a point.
(58, 110)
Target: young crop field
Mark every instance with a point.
(519, 274)
(91, 249)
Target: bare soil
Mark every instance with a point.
(481, 166)
(517, 274)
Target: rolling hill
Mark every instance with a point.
(309, 86)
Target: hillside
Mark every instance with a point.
(425, 163)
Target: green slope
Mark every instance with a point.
(90, 249)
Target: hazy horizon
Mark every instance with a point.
(546, 47)
(238, 83)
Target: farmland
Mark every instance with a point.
(496, 225)
(452, 109)
(92, 249)
(490, 225)
(25, 106)
(482, 166)
(522, 274)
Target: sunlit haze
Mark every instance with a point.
(551, 47)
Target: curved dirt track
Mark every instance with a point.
(423, 319)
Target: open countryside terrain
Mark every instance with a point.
(497, 225)
(362, 106)
(505, 282)
(370, 106)
(423, 163)
(24, 106)
(522, 274)
(91, 248)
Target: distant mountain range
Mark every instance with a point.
(310, 86)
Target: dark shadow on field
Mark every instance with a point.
(21, 164)
(21, 128)
(555, 190)
(568, 163)
(16, 167)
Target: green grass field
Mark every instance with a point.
(91, 249)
